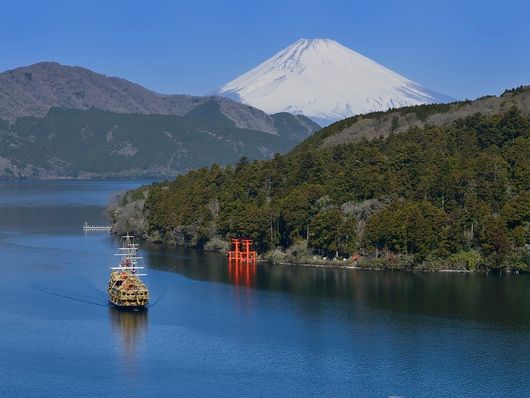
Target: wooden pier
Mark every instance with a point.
(88, 227)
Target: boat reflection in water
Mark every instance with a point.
(130, 329)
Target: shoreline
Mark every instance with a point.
(90, 178)
(345, 264)
(358, 268)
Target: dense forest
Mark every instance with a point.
(436, 197)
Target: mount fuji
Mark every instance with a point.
(325, 81)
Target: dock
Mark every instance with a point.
(88, 227)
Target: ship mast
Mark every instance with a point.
(128, 251)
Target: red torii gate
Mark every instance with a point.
(241, 251)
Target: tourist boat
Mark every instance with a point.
(126, 289)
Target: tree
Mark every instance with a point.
(494, 239)
(297, 209)
(332, 232)
(408, 228)
(516, 211)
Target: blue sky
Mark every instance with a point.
(461, 48)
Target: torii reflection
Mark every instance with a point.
(242, 273)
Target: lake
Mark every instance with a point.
(219, 330)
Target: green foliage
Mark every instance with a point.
(516, 211)
(297, 208)
(332, 233)
(292, 128)
(133, 196)
(459, 192)
(466, 259)
(500, 129)
(522, 263)
(424, 111)
(494, 239)
(408, 227)
(515, 90)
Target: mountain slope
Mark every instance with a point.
(325, 81)
(34, 89)
(382, 124)
(70, 143)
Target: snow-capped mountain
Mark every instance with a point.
(325, 81)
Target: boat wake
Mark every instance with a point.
(157, 299)
(99, 299)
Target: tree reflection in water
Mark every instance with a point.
(490, 298)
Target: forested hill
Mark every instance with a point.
(382, 124)
(70, 143)
(59, 121)
(453, 195)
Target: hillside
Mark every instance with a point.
(448, 195)
(69, 143)
(33, 90)
(382, 124)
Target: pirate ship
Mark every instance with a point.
(126, 289)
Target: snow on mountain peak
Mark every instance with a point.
(322, 79)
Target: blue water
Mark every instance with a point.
(215, 330)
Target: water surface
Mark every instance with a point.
(219, 330)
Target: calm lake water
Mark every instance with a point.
(215, 330)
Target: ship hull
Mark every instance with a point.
(124, 299)
(127, 291)
(122, 307)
